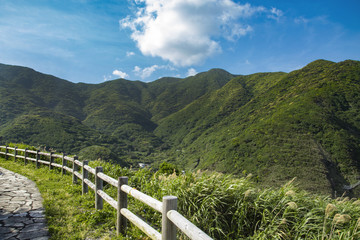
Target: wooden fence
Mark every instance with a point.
(171, 219)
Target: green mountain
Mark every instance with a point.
(277, 126)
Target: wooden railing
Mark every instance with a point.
(171, 219)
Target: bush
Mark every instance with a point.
(168, 168)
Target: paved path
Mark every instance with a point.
(21, 211)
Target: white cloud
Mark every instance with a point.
(301, 20)
(185, 31)
(148, 71)
(120, 74)
(191, 72)
(106, 78)
(275, 13)
(129, 54)
(137, 69)
(238, 31)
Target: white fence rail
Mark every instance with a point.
(171, 219)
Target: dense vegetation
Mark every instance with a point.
(223, 206)
(277, 126)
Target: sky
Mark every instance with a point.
(93, 41)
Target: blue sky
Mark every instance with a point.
(94, 41)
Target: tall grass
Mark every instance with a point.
(235, 208)
(223, 206)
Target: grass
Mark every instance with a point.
(69, 214)
(223, 206)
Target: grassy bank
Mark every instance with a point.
(222, 206)
(69, 214)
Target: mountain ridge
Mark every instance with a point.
(275, 125)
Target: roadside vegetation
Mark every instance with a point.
(223, 206)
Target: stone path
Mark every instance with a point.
(21, 212)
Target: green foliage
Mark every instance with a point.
(223, 206)
(96, 152)
(22, 146)
(168, 168)
(302, 124)
(50, 129)
(276, 126)
(69, 215)
(235, 208)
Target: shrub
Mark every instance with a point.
(168, 168)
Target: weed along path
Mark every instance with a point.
(21, 211)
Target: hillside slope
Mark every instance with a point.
(119, 115)
(303, 124)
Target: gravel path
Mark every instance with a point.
(21, 211)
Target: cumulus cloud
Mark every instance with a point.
(191, 72)
(120, 74)
(184, 32)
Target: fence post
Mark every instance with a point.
(51, 160)
(98, 186)
(75, 168)
(25, 155)
(121, 222)
(85, 174)
(6, 152)
(167, 227)
(37, 158)
(63, 171)
(15, 153)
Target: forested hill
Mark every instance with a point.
(277, 126)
